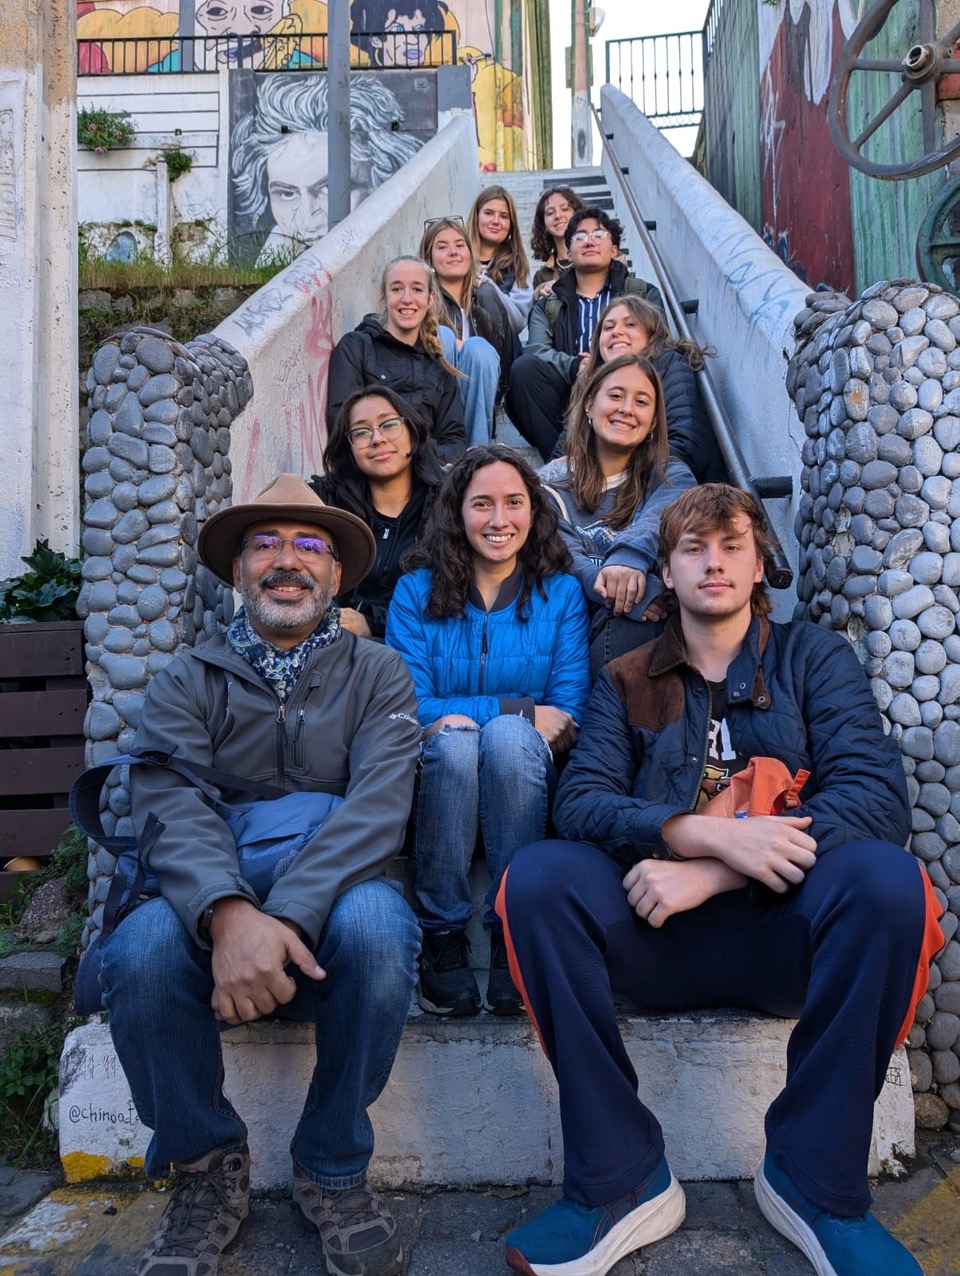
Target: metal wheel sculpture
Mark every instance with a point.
(920, 71)
(938, 240)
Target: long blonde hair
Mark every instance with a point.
(429, 334)
(426, 252)
(509, 255)
(585, 479)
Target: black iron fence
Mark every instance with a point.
(299, 51)
(663, 74)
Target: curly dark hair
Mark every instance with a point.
(541, 241)
(340, 465)
(446, 553)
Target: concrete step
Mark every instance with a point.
(473, 1101)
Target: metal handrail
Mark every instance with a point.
(780, 574)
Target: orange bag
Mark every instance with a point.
(763, 787)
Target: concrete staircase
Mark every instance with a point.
(473, 1101)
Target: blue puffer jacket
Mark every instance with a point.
(795, 692)
(489, 662)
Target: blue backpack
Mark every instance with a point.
(270, 827)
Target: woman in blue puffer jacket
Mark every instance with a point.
(494, 631)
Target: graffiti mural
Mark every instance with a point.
(808, 221)
(388, 34)
(279, 154)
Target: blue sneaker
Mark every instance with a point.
(574, 1240)
(835, 1246)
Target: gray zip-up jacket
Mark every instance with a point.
(350, 727)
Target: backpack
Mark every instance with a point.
(270, 827)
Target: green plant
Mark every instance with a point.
(28, 1072)
(48, 591)
(178, 160)
(100, 130)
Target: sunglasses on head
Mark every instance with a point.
(451, 217)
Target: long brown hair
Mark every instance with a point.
(541, 241)
(445, 551)
(429, 335)
(426, 252)
(585, 479)
(659, 338)
(508, 256)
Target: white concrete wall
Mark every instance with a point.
(122, 186)
(287, 329)
(748, 298)
(39, 496)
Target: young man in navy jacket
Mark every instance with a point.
(820, 914)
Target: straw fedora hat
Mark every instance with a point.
(290, 499)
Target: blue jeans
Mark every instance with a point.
(157, 985)
(497, 779)
(480, 365)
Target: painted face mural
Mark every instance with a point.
(220, 18)
(279, 157)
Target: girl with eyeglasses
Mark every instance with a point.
(380, 464)
(474, 330)
(495, 235)
(611, 488)
(494, 632)
(401, 348)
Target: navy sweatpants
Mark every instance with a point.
(839, 952)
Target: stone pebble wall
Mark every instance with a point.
(156, 466)
(876, 383)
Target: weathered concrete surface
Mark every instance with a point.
(38, 279)
(100, 1230)
(474, 1102)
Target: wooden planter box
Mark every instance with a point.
(43, 699)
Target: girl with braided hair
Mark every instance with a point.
(400, 347)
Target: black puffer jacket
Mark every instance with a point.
(689, 432)
(370, 355)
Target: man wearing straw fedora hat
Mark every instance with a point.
(283, 698)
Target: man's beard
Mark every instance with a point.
(267, 614)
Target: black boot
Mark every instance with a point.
(502, 996)
(447, 985)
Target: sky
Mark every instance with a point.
(622, 19)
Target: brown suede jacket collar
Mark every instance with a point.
(651, 679)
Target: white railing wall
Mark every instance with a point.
(287, 330)
(748, 298)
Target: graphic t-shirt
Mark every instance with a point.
(722, 760)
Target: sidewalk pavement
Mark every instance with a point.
(100, 1229)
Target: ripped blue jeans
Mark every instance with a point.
(497, 779)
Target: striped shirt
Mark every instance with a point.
(589, 310)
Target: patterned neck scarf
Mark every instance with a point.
(280, 668)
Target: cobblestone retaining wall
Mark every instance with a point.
(157, 464)
(876, 383)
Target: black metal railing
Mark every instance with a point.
(662, 74)
(300, 51)
(710, 25)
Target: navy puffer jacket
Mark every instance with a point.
(795, 692)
